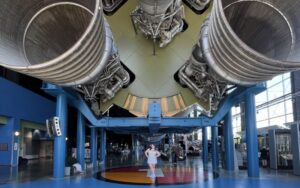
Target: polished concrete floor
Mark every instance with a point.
(217, 183)
(38, 175)
(35, 170)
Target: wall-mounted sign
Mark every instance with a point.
(15, 146)
(3, 147)
(53, 127)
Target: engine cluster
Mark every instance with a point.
(159, 20)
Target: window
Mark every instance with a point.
(261, 98)
(288, 106)
(286, 75)
(290, 118)
(287, 86)
(275, 91)
(274, 81)
(276, 110)
(277, 121)
(274, 106)
(235, 110)
(262, 114)
(261, 124)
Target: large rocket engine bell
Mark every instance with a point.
(67, 43)
(243, 42)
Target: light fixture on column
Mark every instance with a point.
(17, 133)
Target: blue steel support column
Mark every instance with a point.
(16, 141)
(135, 148)
(103, 145)
(60, 142)
(214, 148)
(251, 135)
(296, 148)
(205, 148)
(94, 147)
(132, 143)
(80, 139)
(229, 146)
(217, 147)
(170, 139)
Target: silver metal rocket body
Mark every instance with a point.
(67, 43)
(160, 20)
(243, 42)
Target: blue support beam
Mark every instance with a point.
(60, 141)
(103, 146)
(154, 117)
(170, 139)
(108, 122)
(80, 139)
(214, 148)
(251, 135)
(205, 148)
(217, 146)
(15, 147)
(154, 121)
(228, 139)
(94, 147)
(76, 100)
(133, 145)
(235, 97)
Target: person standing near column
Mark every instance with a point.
(264, 157)
(152, 154)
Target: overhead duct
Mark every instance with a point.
(67, 43)
(243, 42)
(159, 19)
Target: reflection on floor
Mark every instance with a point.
(36, 169)
(132, 169)
(166, 175)
(230, 182)
(40, 176)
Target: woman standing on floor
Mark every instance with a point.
(152, 154)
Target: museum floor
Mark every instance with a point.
(132, 172)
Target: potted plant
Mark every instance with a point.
(69, 163)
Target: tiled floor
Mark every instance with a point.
(164, 175)
(154, 74)
(269, 178)
(36, 169)
(223, 181)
